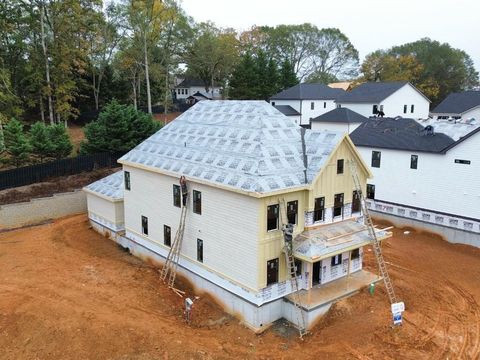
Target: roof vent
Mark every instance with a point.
(429, 130)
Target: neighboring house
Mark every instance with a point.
(249, 170)
(193, 99)
(190, 86)
(287, 110)
(396, 98)
(339, 119)
(464, 105)
(425, 172)
(344, 85)
(310, 100)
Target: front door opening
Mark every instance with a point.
(316, 273)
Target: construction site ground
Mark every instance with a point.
(67, 292)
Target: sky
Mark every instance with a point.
(369, 24)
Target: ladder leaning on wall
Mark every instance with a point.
(169, 269)
(292, 271)
(371, 231)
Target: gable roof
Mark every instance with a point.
(287, 110)
(110, 187)
(341, 115)
(199, 96)
(373, 92)
(189, 82)
(399, 134)
(458, 103)
(308, 92)
(245, 146)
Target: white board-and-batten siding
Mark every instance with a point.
(228, 225)
(106, 212)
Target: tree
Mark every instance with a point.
(61, 144)
(40, 141)
(118, 128)
(16, 142)
(2, 139)
(287, 75)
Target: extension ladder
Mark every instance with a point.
(371, 231)
(290, 261)
(169, 269)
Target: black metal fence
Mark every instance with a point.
(36, 173)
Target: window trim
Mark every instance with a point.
(320, 210)
(374, 160)
(414, 163)
(277, 216)
(295, 204)
(179, 194)
(342, 196)
(197, 202)
(126, 179)
(370, 186)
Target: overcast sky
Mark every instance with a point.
(369, 24)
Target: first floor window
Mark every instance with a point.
(272, 271)
(126, 175)
(167, 235)
(338, 205)
(292, 211)
(200, 250)
(376, 158)
(144, 225)
(413, 161)
(319, 210)
(370, 191)
(298, 267)
(336, 260)
(272, 217)
(197, 202)
(355, 254)
(176, 195)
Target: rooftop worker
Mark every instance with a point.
(183, 185)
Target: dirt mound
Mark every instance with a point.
(67, 292)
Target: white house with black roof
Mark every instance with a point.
(309, 100)
(463, 105)
(394, 98)
(195, 87)
(289, 111)
(425, 173)
(339, 119)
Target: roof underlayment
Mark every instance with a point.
(325, 240)
(454, 129)
(110, 186)
(244, 145)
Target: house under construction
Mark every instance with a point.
(250, 171)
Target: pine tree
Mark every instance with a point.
(61, 146)
(287, 75)
(16, 143)
(242, 83)
(40, 140)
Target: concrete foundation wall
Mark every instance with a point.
(452, 235)
(37, 210)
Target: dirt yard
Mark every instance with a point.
(68, 293)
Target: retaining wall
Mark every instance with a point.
(41, 209)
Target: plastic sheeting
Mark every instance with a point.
(110, 186)
(245, 145)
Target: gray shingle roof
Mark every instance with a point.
(400, 134)
(242, 145)
(371, 92)
(308, 92)
(458, 103)
(287, 110)
(188, 82)
(341, 115)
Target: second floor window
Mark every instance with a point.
(340, 163)
(319, 210)
(292, 210)
(405, 109)
(412, 109)
(370, 191)
(376, 157)
(126, 175)
(413, 161)
(312, 106)
(272, 217)
(197, 202)
(176, 195)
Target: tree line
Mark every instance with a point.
(60, 58)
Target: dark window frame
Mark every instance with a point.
(200, 250)
(340, 166)
(298, 266)
(355, 254)
(272, 215)
(126, 178)
(312, 105)
(197, 202)
(412, 109)
(167, 235)
(319, 211)
(414, 162)
(292, 211)
(342, 204)
(356, 202)
(461, 161)
(405, 109)
(375, 109)
(324, 104)
(275, 262)
(177, 197)
(376, 159)
(336, 260)
(144, 225)
(370, 191)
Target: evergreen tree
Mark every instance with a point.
(243, 79)
(118, 128)
(61, 146)
(16, 143)
(40, 141)
(287, 75)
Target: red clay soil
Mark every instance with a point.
(52, 186)
(67, 292)
(166, 119)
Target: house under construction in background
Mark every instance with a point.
(250, 171)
